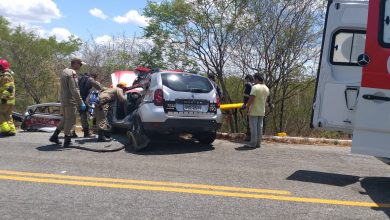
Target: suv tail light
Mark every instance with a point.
(218, 102)
(158, 98)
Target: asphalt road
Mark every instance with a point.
(180, 179)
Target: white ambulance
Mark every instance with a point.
(353, 81)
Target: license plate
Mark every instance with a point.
(193, 108)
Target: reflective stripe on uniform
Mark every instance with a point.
(4, 128)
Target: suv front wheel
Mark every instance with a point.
(206, 137)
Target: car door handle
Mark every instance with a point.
(375, 97)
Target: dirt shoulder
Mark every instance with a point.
(240, 137)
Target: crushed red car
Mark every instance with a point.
(40, 117)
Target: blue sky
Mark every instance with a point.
(82, 18)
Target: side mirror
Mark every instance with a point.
(30, 112)
(363, 60)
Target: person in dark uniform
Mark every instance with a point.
(70, 102)
(86, 82)
(249, 81)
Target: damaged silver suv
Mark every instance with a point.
(174, 103)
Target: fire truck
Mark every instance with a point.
(353, 80)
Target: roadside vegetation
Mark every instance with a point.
(226, 38)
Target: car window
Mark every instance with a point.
(186, 82)
(55, 110)
(347, 46)
(384, 35)
(153, 81)
(42, 110)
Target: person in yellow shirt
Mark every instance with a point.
(256, 110)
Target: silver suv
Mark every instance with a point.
(175, 103)
(180, 102)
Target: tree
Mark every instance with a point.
(37, 62)
(202, 31)
(119, 53)
(282, 44)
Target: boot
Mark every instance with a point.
(12, 131)
(74, 135)
(54, 137)
(107, 134)
(86, 132)
(102, 138)
(68, 142)
(248, 136)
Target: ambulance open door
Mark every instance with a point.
(339, 75)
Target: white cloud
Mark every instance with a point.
(38, 30)
(105, 39)
(98, 13)
(134, 17)
(145, 41)
(61, 34)
(118, 41)
(28, 13)
(23, 11)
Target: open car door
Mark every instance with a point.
(371, 135)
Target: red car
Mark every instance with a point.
(42, 117)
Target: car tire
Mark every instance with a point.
(137, 134)
(206, 137)
(23, 126)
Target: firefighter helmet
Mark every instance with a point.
(143, 69)
(121, 85)
(4, 65)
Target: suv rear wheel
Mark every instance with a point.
(206, 137)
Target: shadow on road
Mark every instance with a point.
(244, 148)
(323, 178)
(165, 145)
(89, 143)
(82, 141)
(160, 145)
(51, 147)
(377, 188)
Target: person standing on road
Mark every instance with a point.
(7, 99)
(106, 98)
(247, 91)
(86, 82)
(256, 110)
(70, 102)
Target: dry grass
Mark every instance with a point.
(239, 137)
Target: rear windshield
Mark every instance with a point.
(184, 82)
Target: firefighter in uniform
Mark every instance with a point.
(86, 83)
(107, 97)
(249, 81)
(71, 102)
(7, 99)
